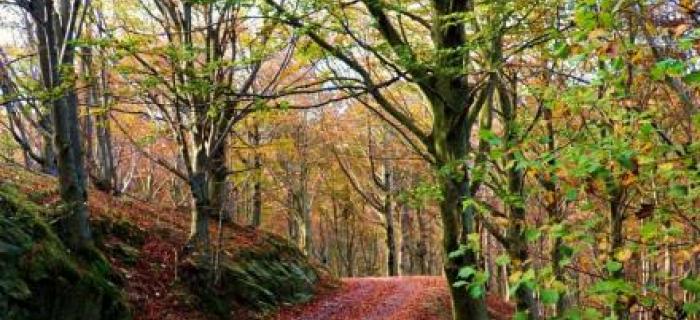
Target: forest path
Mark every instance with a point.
(415, 297)
(387, 298)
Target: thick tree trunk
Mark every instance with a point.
(465, 307)
(216, 182)
(201, 210)
(201, 207)
(66, 135)
(450, 145)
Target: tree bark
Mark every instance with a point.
(615, 240)
(45, 120)
(423, 242)
(66, 134)
(257, 191)
(464, 306)
(407, 254)
(392, 258)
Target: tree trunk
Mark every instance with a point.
(201, 207)
(517, 242)
(615, 240)
(407, 256)
(464, 306)
(45, 121)
(392, 259)
(201, 210)
(98, 97)
(308, 226)
(216, 182)
(66, 138)
(257, 191)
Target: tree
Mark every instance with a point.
(438, 59)
(57, 27)
(203, 77)
(383, 200)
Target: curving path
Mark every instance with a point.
(397, 298)
(418, 298)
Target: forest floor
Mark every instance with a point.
(396, 298)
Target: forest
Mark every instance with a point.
(349, 159)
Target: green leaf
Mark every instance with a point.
(691, 284)
(284, 105)
(692, 308)
(613, 266)
(625, 159)
(646, 129)
(561, 49)
(606, 19)
(571, 194)
(502, 260)
(549, 296)
(667, 67)
(460, 283)
(692, 78)
(696, 119)
(476, 291)
(613, 286)
(591, 313)
(466, 272)
(520, 315)
(457, 253)
(649, 230)
(490, 137)
(532, 234)
(558, 230)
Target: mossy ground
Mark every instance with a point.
(252, 280)
(141, 266)
(41, 278)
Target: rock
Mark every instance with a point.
(40, 279)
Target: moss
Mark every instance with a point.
(119, 228)
(261, 277)
(41, 279)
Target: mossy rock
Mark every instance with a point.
(260, 280)
(41, 279)
(119, 228)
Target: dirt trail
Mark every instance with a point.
(397, 298)
(420, 298)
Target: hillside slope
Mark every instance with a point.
(256, 272)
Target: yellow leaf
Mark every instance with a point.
(623, 255)
(597, 34)
(515, 276)
(668, 166)
(548, 197)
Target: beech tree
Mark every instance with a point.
(438, 58)
(214, 82)
(57, 26)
